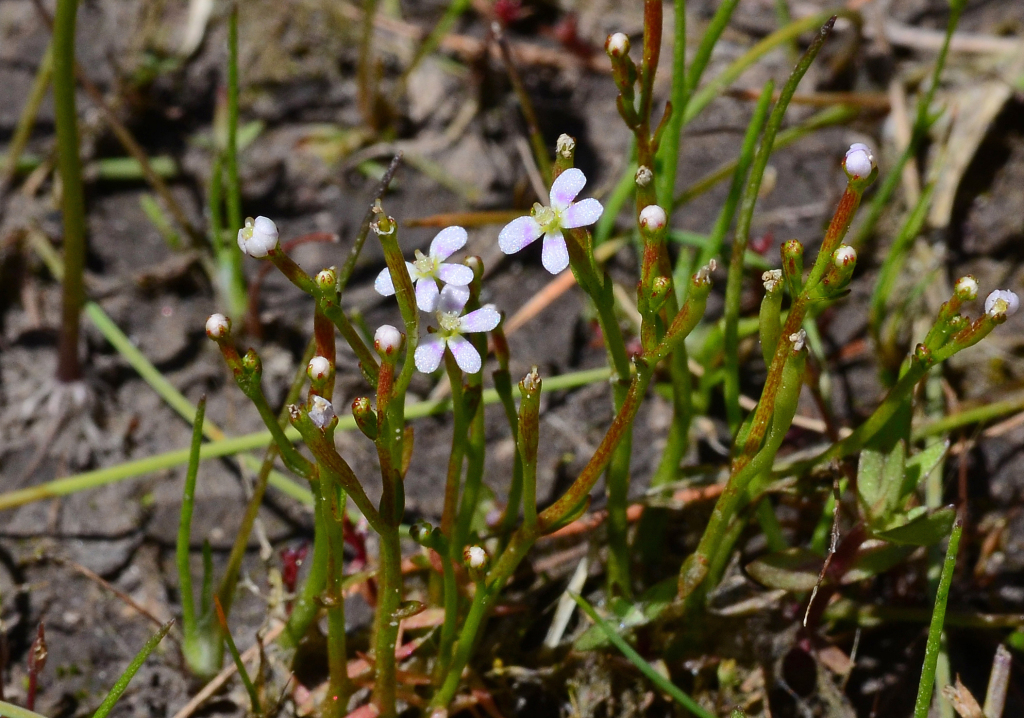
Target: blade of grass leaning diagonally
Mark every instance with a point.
(643, 666)
(122, 683)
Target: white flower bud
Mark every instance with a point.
(258, 237)
(1001, 302)
(319, 368)
(565, 145)
(217, 326)
(387, 340)
(653, 218)
(859, 161)
(799, 339)
(772, 280)
(966, 288)
(644, 175)
(617, 44)
(844, 255)
(321, 413)
(474, 556)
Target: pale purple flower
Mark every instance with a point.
(549, 221)
(258, 237)
(430, 267)
(452, 324)
(1001, 302)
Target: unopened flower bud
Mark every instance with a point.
(365, 416)
(251, 362)
(565, 145)
(420, 531)
(644, 175)
(772, 280)
(218, 326)
(476, 264)
(1001, 303)
(474, 556)
(617, 45)
(798, 339)
(321, 412)
(966, 288)
(859, 161)
(319, 368)
(387, 340)
(258, 237)
(653, 218)
(327, 279)
(659, 291)
(844, 256)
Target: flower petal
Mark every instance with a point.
(426, 294)
(566, 187)
(582, 213)
(458, 274)
(518, 233)
(466, 355)
(555, 256)
(429, 353)
(383, 284)
(414, 273)
(448, 241)
(483, 319)
(453, 298)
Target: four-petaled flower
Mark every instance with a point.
(549, 221)
(451, 326)
(430, 267)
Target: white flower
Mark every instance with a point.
(387, 339)
(430, 267)
(1001, 302)
(217, 326)
(321, 412)
(859, 161)
(319, 368)
(549, 221)
(258, 237)
(451, 327)
(653, 218)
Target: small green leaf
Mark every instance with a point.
(874, 557)
(922, 464)
(795, 569)
(923, 529)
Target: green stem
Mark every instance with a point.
(931, 651)
(69, 368)
(668, 152)
(125, 678)
(385, 627)
(734, 287)
(333, 496)
(236, 657)
(307, 603)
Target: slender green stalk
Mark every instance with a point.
(333, 509)
(202, 642)
(27, 119)
(979, 415)
(307, 603)
(254, 699)
(386, 622)
(668, 151)
(931, 651)
(69, 367)
(637, 660)
(122, 682)
(734, 287)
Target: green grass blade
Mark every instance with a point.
(237, 658)
(932, 648)
(188, 606)
(9, 710)
(637, 660)
(122, 683)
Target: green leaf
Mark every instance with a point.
(923, 528)
(922, 464)
(794, 569)
(874, 557)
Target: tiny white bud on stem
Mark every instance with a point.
(966, 288)
(387, 340)
(617, 44)
(474, 556)
(653, 217)
(258, 237)
(217, 326)
(859, 161)
(319, 368)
